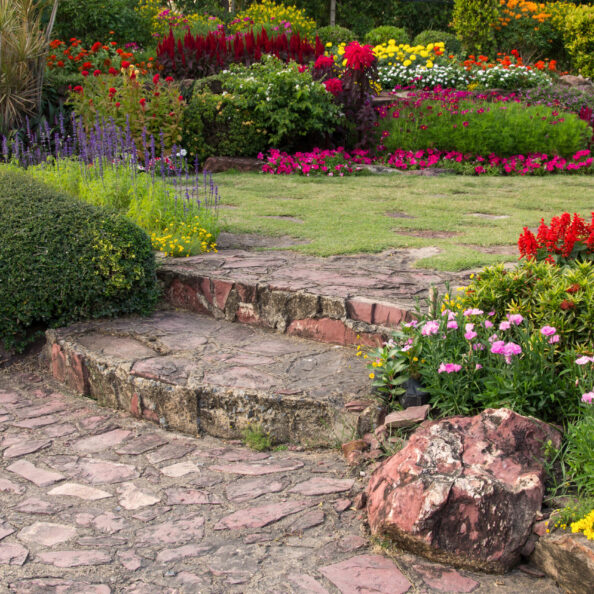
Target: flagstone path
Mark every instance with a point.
(95, 501)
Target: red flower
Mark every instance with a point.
(156, 79)
(142, 102)
(61, 64)
(96, 46)
(117, 104)
(125, 63)
(333, 85)
(324, 62)
(565, 305)
(96, 72)
(359, 56)
(573, 289)
(302, 68)
(113, 71)
(112, 91)
(169, 79)
(87, 65)
(180, 98)
(78, 89)
(85, 73)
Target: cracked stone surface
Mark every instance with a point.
(234, 377)
(139, 509)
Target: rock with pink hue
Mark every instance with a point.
(189, 550)
(191, 497)
(174, 532)
(47, 534)
(259, 469)
(445, 579)
(366, 573)
(80, 491)
(464, 490)
(12, 553)
(306, 584)
(245, 490)
(5, 530)
(26, 446)
(257, 517)
(101, 471)
(98, 443)
(130, 560)
(568, 559)
(59, 586)
(7, 486)
(131, 497)
(322, 486)
(39, 476)
(406, 418)
(81, 558)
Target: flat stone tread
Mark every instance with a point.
(229, 356)
(388, 276)
(177, 526)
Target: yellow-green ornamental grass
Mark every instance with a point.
(182, 239)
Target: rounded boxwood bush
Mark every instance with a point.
(452, 44)
(62, 260)
(384, 33)
(336, 35)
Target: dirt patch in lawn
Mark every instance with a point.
(499, 250)
(399, 215)
(247, 241)
(426, 233)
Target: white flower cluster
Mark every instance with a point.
(447, 76)
(512, 77)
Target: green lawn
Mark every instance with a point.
(349, 215)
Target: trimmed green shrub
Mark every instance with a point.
(452, 44)
(268, 104)
(579, 38)
(546, 295)
(473, 22)
(384, 33)
(93, 20)
(62, 260)
(215, 124)
(335, 35)
(580, 445)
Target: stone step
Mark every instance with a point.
(343, 300)
(193, 373)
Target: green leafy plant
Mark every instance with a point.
(335, 35)
(91, 20)
(473, 22)
(385, 34)
(452, 44)
(467, 362)
(580, 445)
(546, 295)
(63, 261)
(145, 106)
(256, 438)
(579, 38)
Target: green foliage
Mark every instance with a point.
(468, 363)
(452, 44)
(335, 35)
(384, 34)
(64, 261)
(481, 127)
(580, 445)
(272, 16)
(149, 201)
(547, 295)
(215, 124)
(579, 38)
(472, 21)
(417, 15)
(256, 439)
(148, 106)
(92, 20)
(268, 104)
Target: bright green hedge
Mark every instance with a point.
(62, 260)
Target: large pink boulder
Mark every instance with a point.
(464, 490)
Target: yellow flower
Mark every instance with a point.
(406, 63)
(371, 375)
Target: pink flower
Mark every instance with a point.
(477, 346)
(548, 330)
(449, 368)
(452, 325)
(488, 324)
(324, 62)
(406, 347)
(411, 324)
(584, 360)
(478, 366)
(473, 312)
(554, 339)
(498, 347)
(430, 327)
(511, 348)
(357, 56)
(515, 319)
(588, 397)
(470, 333)
(504, 326)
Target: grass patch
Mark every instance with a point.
(350, 215)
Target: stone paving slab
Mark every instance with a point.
(174, 521)
(196, 374)
(342, 299)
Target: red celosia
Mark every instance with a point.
(357, 56)
(334, 86)
(324, 62)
